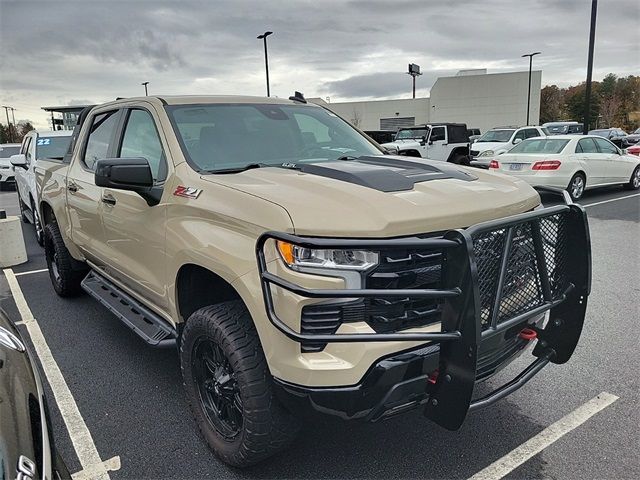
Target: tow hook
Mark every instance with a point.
(528, 334)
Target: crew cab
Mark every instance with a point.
(297, 267)
(36, 145)
(447, 142)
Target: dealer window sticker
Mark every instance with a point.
(43, 141)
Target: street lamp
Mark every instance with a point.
(263, 37)
(146, 93)
(530, 55)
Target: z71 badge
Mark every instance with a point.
(187, 192)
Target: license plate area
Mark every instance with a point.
(516, 166)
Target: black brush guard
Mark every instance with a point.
(486, 269)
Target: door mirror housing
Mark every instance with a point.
(19, 160)
(132, 174)
(516, 141)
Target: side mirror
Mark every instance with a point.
(132, 174)
(19, 160)
(517, 141)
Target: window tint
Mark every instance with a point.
(531, 132)
(25, 149)
(605, 146)
(540, 145)
(313, 130)
(141, 140)
(52, 147)
(586, 145)
(437, 134)
(100, 136)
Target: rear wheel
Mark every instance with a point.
(23, 207)
(460, 159)
(66, 273)
(634, 181)
(37, 224)
(228, 384)
(576, 186)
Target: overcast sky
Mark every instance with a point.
(65, 52)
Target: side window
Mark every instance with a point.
(141, 140)
(437, 134)
(531, 132)
(586, 145)
(26, 146)
(100, 136)
(519, 134)
(606, 146)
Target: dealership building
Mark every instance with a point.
(475, 97)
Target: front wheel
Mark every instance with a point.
(23, 207)
(634, 181)
(229, 386)
(576, 186)
(460, 159)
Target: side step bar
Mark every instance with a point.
(148, 325)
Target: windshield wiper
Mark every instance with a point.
(240, 169)
(347, 157)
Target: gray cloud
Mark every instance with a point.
(54, 52)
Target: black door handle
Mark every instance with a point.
(72, 187)
(109, 200)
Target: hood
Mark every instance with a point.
(384, 196)
(483, 146)
(5, 162)
(402, 144)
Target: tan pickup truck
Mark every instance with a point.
(297, 267)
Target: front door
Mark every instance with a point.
(437, 144)
(134, 231)
(595, 163)
(614, 170)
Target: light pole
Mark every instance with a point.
(146, 93)
(530, 55)
(6, 110)
(263, 37)
(592, 41)
(414, 71)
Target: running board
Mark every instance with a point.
(148, 325)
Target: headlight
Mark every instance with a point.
(337, 259)
(486, 153)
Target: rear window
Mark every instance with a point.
(6, 152)
(51, 147)
(540, 145)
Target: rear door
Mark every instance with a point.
(135, 231)
(595, 162)
(83, 196)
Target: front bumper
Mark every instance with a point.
(6, 175)
(498, 277)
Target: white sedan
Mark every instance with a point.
(573, 162)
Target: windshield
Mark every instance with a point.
(496, 136)
(52, 147)
(540, 145)
(217, 137)
(636, 131)
(6, 152)
(600, 133)
(411, 133)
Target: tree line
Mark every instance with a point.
(615, 102)
(14, 133)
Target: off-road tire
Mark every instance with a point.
(634, 181)
(266, 426)
(37, 224)
(460, 159)
(66, 272)
(574, 193)
(23, 207)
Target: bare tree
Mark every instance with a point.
(356, 118)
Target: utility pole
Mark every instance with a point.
(530, 55)
(13, 115)
(592, 41)
(6, 111)
(266, 57)
(146, 93)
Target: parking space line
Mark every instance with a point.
(549, 435)
(30, 272)
(78, 431)
(610, 200)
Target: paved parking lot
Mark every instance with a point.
(130, 396)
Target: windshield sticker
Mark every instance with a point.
(43, 141)
(187, 192)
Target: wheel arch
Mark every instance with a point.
(46, 214)
(410, 153)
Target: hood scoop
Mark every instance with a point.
(385, 173)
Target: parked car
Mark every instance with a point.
(498, 141)
(447, 142)
(258, 235)
(564, 128)
(6, 171)
(27, 448)
(632, 138)
(634, 150)
(474, 134)
(615, 135)
(576, 163)
(36, 145)
(381, 136)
